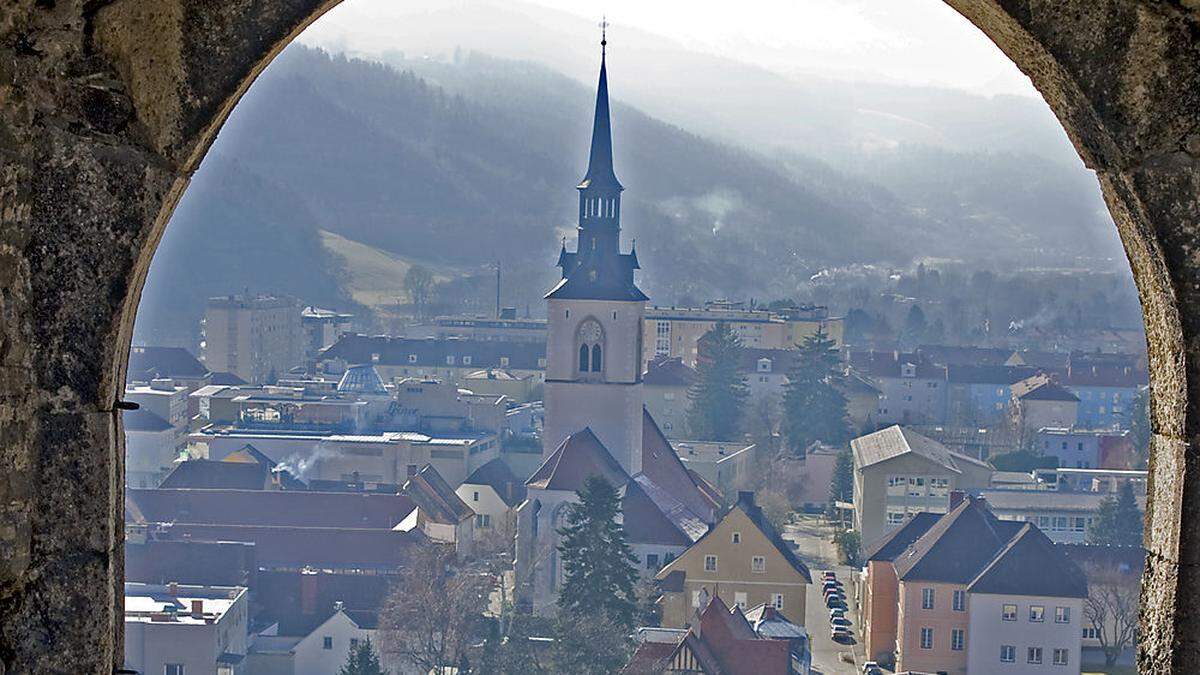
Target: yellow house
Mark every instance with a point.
(742, 560)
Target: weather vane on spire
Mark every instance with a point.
(603, 33)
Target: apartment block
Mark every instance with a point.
(258, 338)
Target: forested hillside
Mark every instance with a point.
(475, 160)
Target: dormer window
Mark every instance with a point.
(466, 360)
(412, 358)
(908, 370)
(764, 365)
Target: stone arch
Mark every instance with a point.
(107, 107)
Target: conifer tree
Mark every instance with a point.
(841, 488)
(1118, 521)
(598, 567)
(362, 660)
(814, 408)
(717, 398)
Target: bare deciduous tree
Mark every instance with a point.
(434, 610)
(1112, 609)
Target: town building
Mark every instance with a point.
(151, 447)
(596, 423)
(912, 389)
(148, 363)
(979, 395)
(322, 327)
(500, 382)
(1114, 576)
(258, 338)
(451, 359)
(676, 331)
(1106, 385)
(720, 641)
(1064, 517)
(493, 492)
(321, 651)
(666, 383)
(743, 560)
(162, 397)
(506, 328)
(1039, 402)
(440, 513)
(1086, 448)
(973, 594)
(728, 466)
(178, 629)
(899, 473)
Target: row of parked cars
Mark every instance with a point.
(839, 625)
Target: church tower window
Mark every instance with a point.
(591, 359)
(597, 359)
(583, 358)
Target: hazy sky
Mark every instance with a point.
(902, 41)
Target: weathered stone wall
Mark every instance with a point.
(107, 106)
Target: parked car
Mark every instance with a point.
(836, 612)
(839, 634)
(840, 621)
(871, 668)
(835, 603)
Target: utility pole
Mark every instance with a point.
(497, 289)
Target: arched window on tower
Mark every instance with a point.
(597, 359)
(583, 358)
(590, 337)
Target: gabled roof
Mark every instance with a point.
(662, 465)
(896, 440)
(268, 508)
(152, 362)
(645, 523)
(1041, 387)
(227, 379)
(957, 547)
(206, 473)
(249, 453)
(579, 456)
(497, 475)
(395, 351)
(1031, 565)
(999, 375)
(892, 544)
(729, 644)
(142, 419)
(668, 371)
(436, 498)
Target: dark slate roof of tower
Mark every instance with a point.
(598, 278)
(600, 160)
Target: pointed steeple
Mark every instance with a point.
(600, 160)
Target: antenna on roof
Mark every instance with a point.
(603, 35)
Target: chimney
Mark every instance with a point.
(308, 592)
(197, 608)
(956, 498)
(173, 588)
(745, 499)
(338, 606)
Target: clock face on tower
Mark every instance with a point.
(590, 332)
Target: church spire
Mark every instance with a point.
(600, 161)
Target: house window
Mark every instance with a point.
(668, 558)
(483, 520)
(475, 496)
(926, 598)
(1060, 657)
(758, 564)
(926, 638)
(1008, 653)
(412, 358)
(450, 360)
(652, 561)
(466, 360)
(1091, 634)
(737, 538)
(173, 669)
(777, 600)
(710, 563)
(503, 361)
(956, 639)
(1062, 615)
(959, 601)
(1009, 613)
(1037, 613)
(1034, 655)
(327, 643)
(739, 599)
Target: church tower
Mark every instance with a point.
(593, 349)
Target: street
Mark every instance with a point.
(813, 539)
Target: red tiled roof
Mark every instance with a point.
(436, 498)
(318, 547)
(661, 464)
(578, 457)
(279, 508)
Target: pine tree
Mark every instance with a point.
(717, 398)
(598, 566)
(814, 408)
(1118, 521)
(362, 660)
(841, 488)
